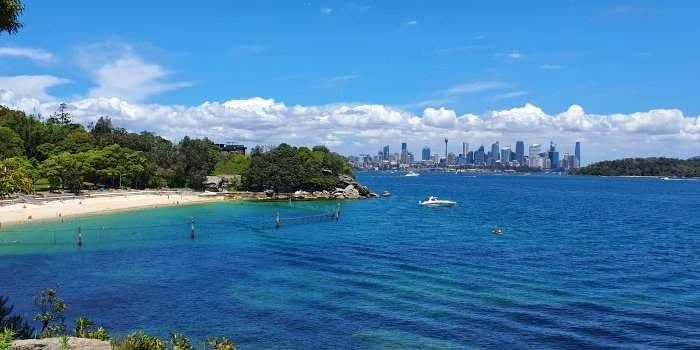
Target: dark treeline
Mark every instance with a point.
(66, 155)
(669, 167)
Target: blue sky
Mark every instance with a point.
(469, 57)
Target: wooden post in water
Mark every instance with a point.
(277, 220)
(192, 228)
(80, 237)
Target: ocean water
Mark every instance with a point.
(583, 263)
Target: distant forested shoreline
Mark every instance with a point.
(662, 167)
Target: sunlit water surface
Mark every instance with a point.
(582, 263)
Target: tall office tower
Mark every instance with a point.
(470, 157)
(425, 154)
(445, 149)
(386, 152)
(577, 153)
(404, 153)
(520, 152)
(465, 149)
(409, 158)
(505, 155)
(553, 156)
(535, 150)
(480, 156)
(496, 151)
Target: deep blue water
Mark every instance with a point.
(583, 263)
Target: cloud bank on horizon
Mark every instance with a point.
(364, 128)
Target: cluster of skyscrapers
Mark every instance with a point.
(496, 157)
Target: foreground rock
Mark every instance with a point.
(54, 344)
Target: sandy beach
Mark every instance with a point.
(95, 204)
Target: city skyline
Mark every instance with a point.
(507, 156)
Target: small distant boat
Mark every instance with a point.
(497, 231)
(386, 194)
(666, 178)
(412, 173)
(435, 202)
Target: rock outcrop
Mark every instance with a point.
(54, 344)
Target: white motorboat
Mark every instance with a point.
(435, 202)
(412, 173)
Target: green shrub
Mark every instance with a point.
(51, 310)
(139, 341)
(63, 343)
(6, 339)
(223, 344)
(181, 342)
(83, 326)
(99, 334)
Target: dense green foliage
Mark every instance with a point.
(644, 167)
(231, 164)
(10, 10)
(20, 328)
(6, 337)
(68, 156)
(287, 169)
(16, 175)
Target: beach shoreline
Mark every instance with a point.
(56, 210)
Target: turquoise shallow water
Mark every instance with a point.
(583, 263)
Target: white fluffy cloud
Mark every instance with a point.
(29, 86)
(38, 55)
(354, 129)
(118, 71)
(132, 79)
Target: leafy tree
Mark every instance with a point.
(64, 170)
(51, 313)
(10, 10)
(196, 159)
(15, 323)
(10, 143)
(16, 175)
(287, 169)
(231, 164)
(61, 116)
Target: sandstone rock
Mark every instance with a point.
(346, 180)
(54, 344)
(351, 192)
(363, 190)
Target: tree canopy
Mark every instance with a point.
(286, 169)
(72, 157)
(10, 11)
(644, 167)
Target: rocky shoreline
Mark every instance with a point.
(351, 190)
(54, 344)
